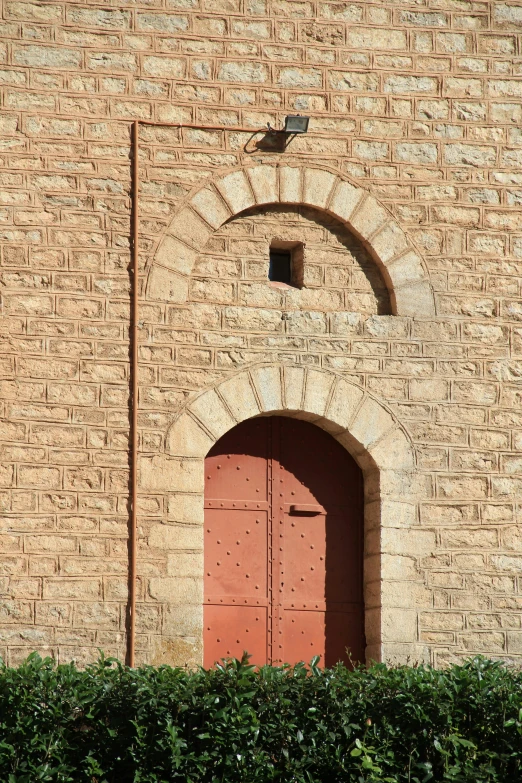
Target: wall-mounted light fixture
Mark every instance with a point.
(294, 123)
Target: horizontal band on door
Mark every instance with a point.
(322, 606)
(226, 600)
(238, 505)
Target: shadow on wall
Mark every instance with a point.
(334, 260)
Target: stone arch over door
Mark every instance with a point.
(226, 195)
(394, 544)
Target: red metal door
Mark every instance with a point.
(283, 545)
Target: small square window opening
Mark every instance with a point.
(285, 269)
(280, 268)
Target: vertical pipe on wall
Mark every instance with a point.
(133, 337)
(133, 531)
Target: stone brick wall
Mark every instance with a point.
(418, 103)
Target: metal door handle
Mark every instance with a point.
(306, 508)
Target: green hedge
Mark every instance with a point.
(236, 724)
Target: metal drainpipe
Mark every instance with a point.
(134, 364)
(133, 532)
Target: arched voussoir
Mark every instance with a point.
(228, 194)
(365, 426)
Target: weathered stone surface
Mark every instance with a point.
(290, 184)
(211, 208)
(236, 191)
(264, 183)
(167, 286)
(318, 186)
(239, 397)
(267, 381)
(176, 255)
(188, 438)
(415, 142)
(160, 473)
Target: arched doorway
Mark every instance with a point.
(283, 545)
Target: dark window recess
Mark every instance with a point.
(280, 269)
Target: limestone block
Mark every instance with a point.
(389, 513)
(345, 198)
(406, 654)
(387, 327)
(353, 81)
(372, 549)
(317, 390)
(253, 319)
(408, 268)
(190, 228)
(398, 624)
(176, 590)
(396, 541)
(97, 615)
(373, 585)
(293, 386)
(246, 72)
(416, 152)
(34, 477)
(305, 322)
(469, 154)
(163, 473)
(345, 400)
(369, 218)
(415, 299)
(183, 620)
(371, 150)
(398, 594)
(236, 191)
(398, 483)
(212, 413)
(164, 67)
(484, 641)
(372, 628)
(346, 323)
(506, 16)
(317, 186)
(267, 381)
(428, 389)
(174, 651)
(183, 564)
(187, 439)
(371, 423)
(290, 184)
(148, 617)
(263, 180)
(239, 397)
(514, 642)
(185, 508)
(295, 78)
(389, 242)
(372, 515)
(164, 285)
(394, 451)
(78, 589)
(211, 207)
(375, 38)
(506, 563)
